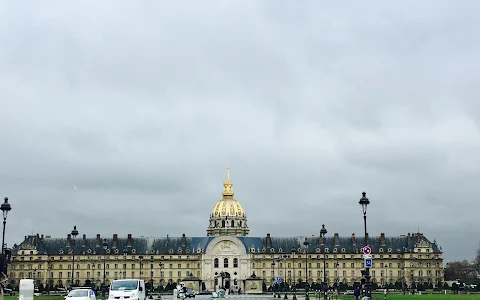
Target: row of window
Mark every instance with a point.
(100, 266)
(39, 275)
(352, 265)
(225, 263)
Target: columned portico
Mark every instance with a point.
(225, 262)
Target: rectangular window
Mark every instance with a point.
(179, 274)
(179, 266)
(352, 265)
(88, 274)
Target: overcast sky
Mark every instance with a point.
(142, 105)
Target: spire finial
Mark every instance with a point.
(227, 186)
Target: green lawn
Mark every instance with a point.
(424, 297)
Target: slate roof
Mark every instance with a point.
(191, 245)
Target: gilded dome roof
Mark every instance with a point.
(228, 206)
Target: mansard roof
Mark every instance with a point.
(192, 245)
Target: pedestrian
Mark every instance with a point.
(356, 293)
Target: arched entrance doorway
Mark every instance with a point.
(225, 280)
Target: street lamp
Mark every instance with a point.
(5, 207)
(285, 275)
(294, 283)
(364, 202)
(105, 247)
(151, 276)
(160, 266)
(323, 232)
(141, 265)
(278, 259)
(274, 281)
(306, 243)
(74, 235)
(125, 252)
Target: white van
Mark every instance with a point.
(133, 289)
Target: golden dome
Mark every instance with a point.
(228, 206)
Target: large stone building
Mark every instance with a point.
(226, 256)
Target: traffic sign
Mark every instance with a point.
(368, 262)
(279, 279)
(367, 250)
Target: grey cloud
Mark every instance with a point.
(143, 106)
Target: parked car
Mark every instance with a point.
(205, 292)
(190, 294)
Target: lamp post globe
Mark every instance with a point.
(323, 232)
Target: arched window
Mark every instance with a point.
(223, 223)
(225, 262)
(232, 223)
(215, 263)
(235, 262)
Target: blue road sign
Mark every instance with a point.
(279, 279)
(368, 262)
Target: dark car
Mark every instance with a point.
(205, 292)
(190, 294)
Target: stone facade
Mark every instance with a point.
(227, 257)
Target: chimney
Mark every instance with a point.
(269, 241)
(184, 239)
(98, 242)
(37, 239)
(69, 240)
(382, 239)
(129, 240)
(409, 238)
(115, 241)
(25, 237)
(84, 238)
(354, 240)
(336, 239)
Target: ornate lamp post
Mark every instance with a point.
(160, 266)
(151, 277)
(5, 207)
(364, 202)
(323, 232)
(306, 243)
(125, 252)
(294, 297)
(141, 265)
(278, 259)
(105, 247)
(274, 281)
(285, 275)
(74, 235)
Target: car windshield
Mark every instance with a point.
(124, 285)
(78, 293)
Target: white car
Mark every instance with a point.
(81, 294)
